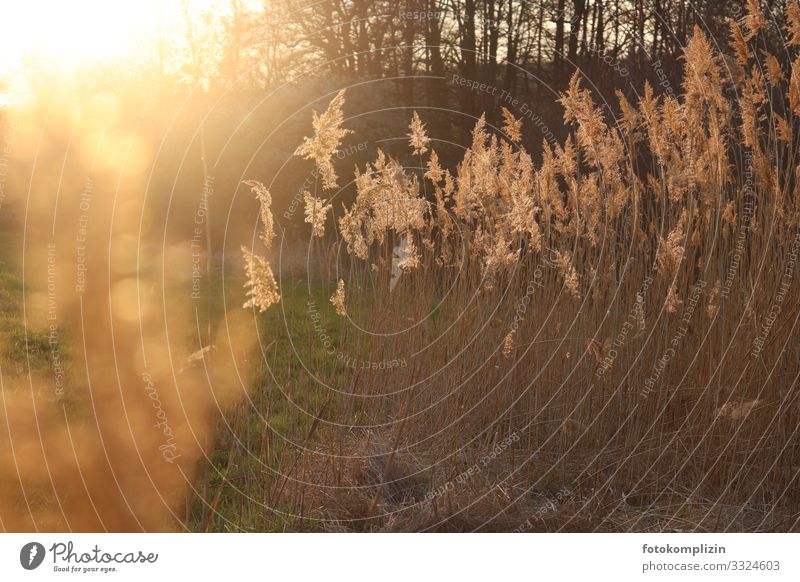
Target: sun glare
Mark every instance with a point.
(68, 33)
(79, 32)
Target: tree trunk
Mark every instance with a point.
(539, 30)
(469, 68)
(600, 33)
(512, 42)
(407, 84)
(579, 7)
(558, 50)
(492, 16)
(433, 38)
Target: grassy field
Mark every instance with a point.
(242, 481)
(260, 438)
(23, 348)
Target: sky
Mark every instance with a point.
(72, 33)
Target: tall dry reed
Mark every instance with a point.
(617, 322)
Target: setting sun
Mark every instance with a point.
(68, 32)
(73, 34)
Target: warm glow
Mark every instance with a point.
(66, 33)
(79, 32)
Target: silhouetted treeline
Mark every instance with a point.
(473, 55)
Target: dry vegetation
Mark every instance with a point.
(602, 341)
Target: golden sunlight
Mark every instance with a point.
(71, 34)
(68, 32)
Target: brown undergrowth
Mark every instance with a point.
(605, 340)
